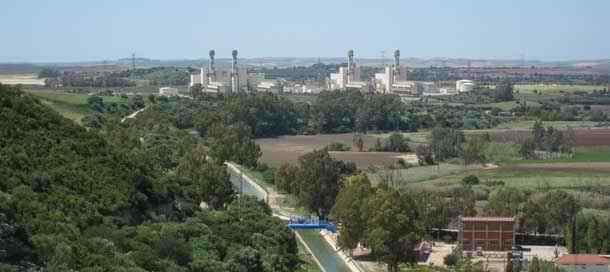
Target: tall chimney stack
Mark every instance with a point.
(397, 58)
(350, 65)
(211, 69)
(396, 65)
(234, 73)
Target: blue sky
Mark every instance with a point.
(77, 30)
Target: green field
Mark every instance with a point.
(555, 124)
(71, 106)
(581, 154)
(420, 173)
(555, 88)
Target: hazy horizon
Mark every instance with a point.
(82, 31)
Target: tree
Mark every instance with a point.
(48, 72)
(464, 200)
(568, 140)
(528, 148)
(319, 180)
(506, 201)
(470, 180)
(96, 103)
(136, 102)
(424, 154)
(504, 91)
(446, 143)
(210, 181)
(394, 228)
(350, 211)
(538, 133)
(94, 120)
(245, 259)
(434, 211)
(473, 149)
(358, 142)
(396, 143)
(233, 143)
(553, 139)
(286, 178)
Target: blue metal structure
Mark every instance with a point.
(311, 223)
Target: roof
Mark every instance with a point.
(582, 259)
(488, 219)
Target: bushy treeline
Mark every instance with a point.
(155, 76)
(315, 180)
(269, 115)
(491, 75)
(549, 140)
(132, 196)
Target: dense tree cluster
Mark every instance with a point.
(48, 72)
(493, 75)
(156, 76)
(396, 142)
(549, 140)
(388, 222)
(446, 143)
(268, 115)
(315, 180)
(123, 197)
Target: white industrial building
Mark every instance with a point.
(347, 77)
(464, 85)
(213, 81)
(168, 91)
(393, 79)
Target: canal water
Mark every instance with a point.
(325, 254)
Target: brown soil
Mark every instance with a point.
(289, 148)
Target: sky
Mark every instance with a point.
(83, 30)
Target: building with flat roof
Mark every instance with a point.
(583, 263)
(487, 233)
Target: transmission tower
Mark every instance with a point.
(133, 61)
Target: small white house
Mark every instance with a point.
(583, 263)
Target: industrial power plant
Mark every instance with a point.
(393, 79)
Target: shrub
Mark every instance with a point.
(338, 147)
(470, 180)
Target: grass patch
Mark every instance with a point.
(71, 106)
(555, 124)
(419, 173)
(581, 154)
(525, 179)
